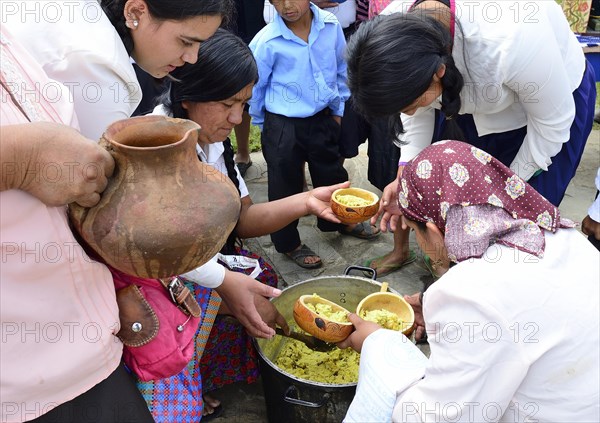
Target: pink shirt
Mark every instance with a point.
(57, 307)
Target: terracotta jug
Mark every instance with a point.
(163, 212)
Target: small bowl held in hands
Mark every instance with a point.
(387, 309)
(354, 205)
(322, 318)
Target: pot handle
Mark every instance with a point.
(292, 390)
(373, 272)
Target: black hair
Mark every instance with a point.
(391, 62)
(175, 10)
(225, 66)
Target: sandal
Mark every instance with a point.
(243, 167)
(362, 231)
(386, 269)
(429, 267)
(301, 253)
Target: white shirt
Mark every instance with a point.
(512, 337)
(521, 63)
(78, 46)
(211, 273)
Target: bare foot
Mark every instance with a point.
(210, 403)
(389, 260)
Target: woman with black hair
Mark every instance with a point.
(509, 78)
(213, 92)
(89, 46)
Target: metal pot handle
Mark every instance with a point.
(292, 390)
(373, 272)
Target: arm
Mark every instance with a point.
(418, 132)
(539, 77)
(265, 218)
(471, 365)
(466, 369)
(246, 299)
(54, 163)
(257, 102)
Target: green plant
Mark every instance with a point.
(254, 139)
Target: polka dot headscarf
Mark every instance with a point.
(475, 200)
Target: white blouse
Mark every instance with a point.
(521, 63)
(78, 46)
(513, 338)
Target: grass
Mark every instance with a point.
(254, 139)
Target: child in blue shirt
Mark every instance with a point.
(298, 103)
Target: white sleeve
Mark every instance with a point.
(418, 132)
(594, 210)
(474, 362)
(540, 79)
(209, 275)
(389, 362)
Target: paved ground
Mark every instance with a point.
(245, 403)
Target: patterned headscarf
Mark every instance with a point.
(475, 200)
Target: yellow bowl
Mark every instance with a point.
(393, 303)
(318, 325)
(350, 214)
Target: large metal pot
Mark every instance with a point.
(289, 398)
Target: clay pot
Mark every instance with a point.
(163, 212)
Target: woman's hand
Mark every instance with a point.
(590, 227)
(269, 313)
(415, 301)
(56, 164)
(388, 208)
(318, 202)
(362, 329)
(238, 291)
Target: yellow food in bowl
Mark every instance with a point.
(352, 200)
(384, 318)
(327, 311)
(334, 367)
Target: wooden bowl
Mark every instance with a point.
(350, 214)
(318, 325)
(391, 302)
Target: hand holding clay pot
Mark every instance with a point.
(164, 212)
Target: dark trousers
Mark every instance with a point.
(114, 400)
(383, 154)
(288, 143)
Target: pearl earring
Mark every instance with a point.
(135, 23)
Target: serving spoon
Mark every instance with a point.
(311, 342)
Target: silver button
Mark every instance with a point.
(136, 327)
